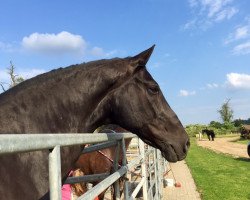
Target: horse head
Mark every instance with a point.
(80, 98)
(136, 103)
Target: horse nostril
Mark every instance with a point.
(187, 145)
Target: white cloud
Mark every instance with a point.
(193, 3)
(215, 7)
(61, 43)
(4, 77)
(156, 65)
(241, 108)
(51, 44)
(240, 32)
(212, 85)
(6, 47)
(99, 52)
(26, 74)
(190, 24)
(226, 14)
(242, 49)
(166, 55)
(238, 81)
(185, 93)
(208, 12)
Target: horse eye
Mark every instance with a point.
(153, 90)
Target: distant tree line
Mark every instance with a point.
(228, 125)
(239, 122)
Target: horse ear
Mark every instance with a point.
(142, 58)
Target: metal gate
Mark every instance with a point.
(150, 164)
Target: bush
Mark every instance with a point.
(215, 124)
(192, 130)
(218, 128)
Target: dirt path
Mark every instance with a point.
(225, 145)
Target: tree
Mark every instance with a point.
(14, 78)
(215, 124)
(239, 122)
(226, 112)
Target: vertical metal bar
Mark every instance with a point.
(55, 182)
(155, 176)
(162, 172)
(124, 163)
(143, 170)
(151, 163)
(149, 173)
(158, 174)
(116, 163)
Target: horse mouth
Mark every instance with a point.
(170, 153)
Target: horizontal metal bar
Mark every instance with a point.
(86, 178)
(100, 187)
(134, 162)
(96, 147)
(10, 143)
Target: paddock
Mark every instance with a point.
(150, 165)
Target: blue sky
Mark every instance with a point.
(202, 54)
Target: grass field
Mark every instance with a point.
(228, 135)
(239, 140)
(218, 176)
(242, 141)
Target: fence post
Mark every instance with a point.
(160, 173)
(55, 182)
(124, 163)
(155, 174)
(116, 163)
(143, 169)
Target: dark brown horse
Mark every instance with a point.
(210, 134)
(100, 161)
(77, 99)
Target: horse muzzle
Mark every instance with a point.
(174, 152)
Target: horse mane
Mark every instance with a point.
(59, 74)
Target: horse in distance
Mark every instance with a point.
(210, 134)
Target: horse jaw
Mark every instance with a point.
(172, 147)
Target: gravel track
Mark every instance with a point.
(225, 145)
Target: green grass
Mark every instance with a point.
(241, 141)
(238, 140)
(227, 135)
(219, 176)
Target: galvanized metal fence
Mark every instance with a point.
(148, 160)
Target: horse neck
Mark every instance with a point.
(61, 101)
